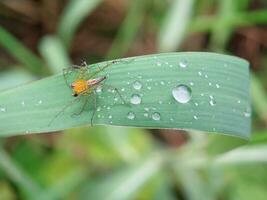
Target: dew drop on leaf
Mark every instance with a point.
(135, 99)
(182, 93)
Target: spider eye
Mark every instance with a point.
(75, 94)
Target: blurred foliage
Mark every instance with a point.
(38, 38)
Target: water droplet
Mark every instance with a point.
(137, 85)
(131, 115)
(110, 116)
(98, 109)
(217, 86)
(247, 112)
(98, 89)
(200, 73)
(156, 116)
(171, 119)
(98, 116)
(183, 63)
(171, 66)
(2, 109)
(39, 102)
(238, 101)
(166, 63)
(122, 89)
(146, 109)
(196, 104)
(211, 97)
(195, 117)
(108, 108)
(210, 84)
(116, 99)
(202, 94)
(206, 76)
(23, 103)
(136, 99)
(148, 87)
(158, 64)
(145, 114)
(139, 76)
(182, 93)
(162, 82)
(160, 102)
(212, 102)
(191, 83)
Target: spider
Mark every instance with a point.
(85, 85)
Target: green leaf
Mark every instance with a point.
(219, 87)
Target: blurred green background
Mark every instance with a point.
(40, 37)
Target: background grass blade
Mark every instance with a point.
(175, 25)
(72, 16)
(54, 53)
(22, 54)
(218, 104)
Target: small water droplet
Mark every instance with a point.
(162, 82)
(212, 102)
(98, 109)
(183, 63)
(206, 76)
(191, 83)
(196, 104)
(217, 86)
(39, 102)
(108, 108)
(156, 116)
(171, 119)
(136, 99)
(202, 94)
(171, 66)
(211, 97)
(195, 117)
(167, 63)
(148, 87)
(131, 115)
(98, 89)
(160, 102)
(110, 116)
(200, 73)
(145, 114)
(158, 64)
(247, 112)
(98, 116)
(116, 99)
(23, 103)
(238, 101)
(122, 89)
(146, 109)
(139, 76)
(137, 85)
(182, 93)
(210, 84)
(2, 109)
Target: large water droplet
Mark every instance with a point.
(183, 63)
(137, 85)
(131, 115)
(136, 99)
(156, 116)
(182, 93)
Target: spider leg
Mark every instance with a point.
(63, 109)
(82, 109)
(116, 90)
(95, 104)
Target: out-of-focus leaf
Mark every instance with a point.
(54, 53)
